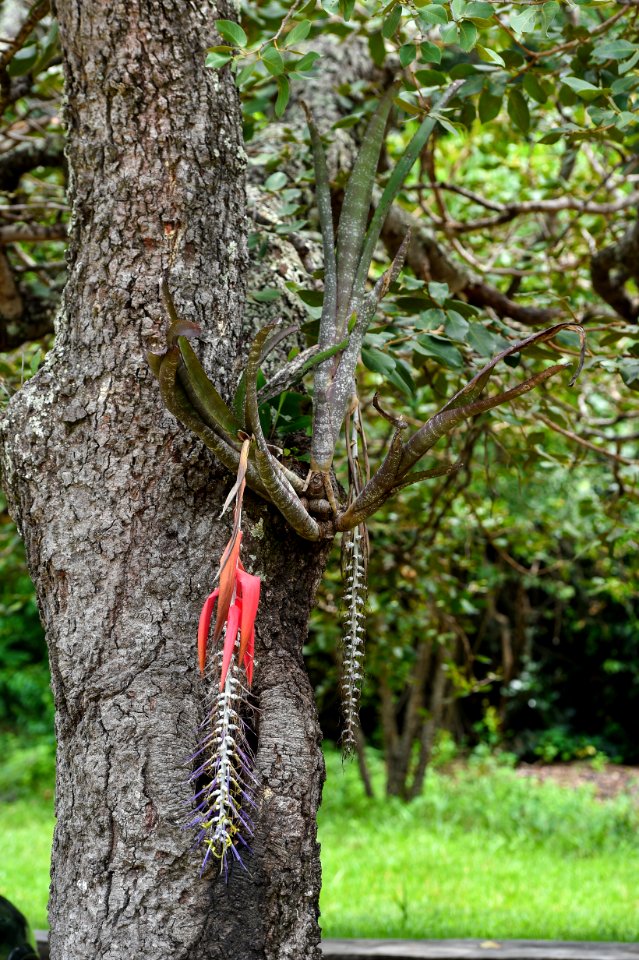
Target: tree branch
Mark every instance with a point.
(510, 212)
(39, 10)
(26, 157)
(32, 233)
(23, 317)
(612, 267)
(585, 443)
(429, 261)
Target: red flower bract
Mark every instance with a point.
(237, 599)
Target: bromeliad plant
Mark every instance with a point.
(311, 501)
(223, 778)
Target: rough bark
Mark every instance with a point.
(118, 508)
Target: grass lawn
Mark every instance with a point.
(482, 854)
(26, 831)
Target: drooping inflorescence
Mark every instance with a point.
(223, 780)
(354, 573)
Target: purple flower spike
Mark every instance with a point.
(223, 781)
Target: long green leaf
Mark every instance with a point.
(239, 400)
(296, 369)
(251, 410)
(395, 184)
(177, 402)
(465, 402)
(474, 387)
(203, 395)
(357, 201)
(444, 421)
(279, 488)
(324, 209)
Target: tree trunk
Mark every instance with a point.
(119, 507)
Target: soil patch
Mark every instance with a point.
(609, 782)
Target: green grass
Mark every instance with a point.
(26, 831)
(482, 854)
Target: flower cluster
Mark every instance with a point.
(354, 568)
(223, 778)
(223, 781)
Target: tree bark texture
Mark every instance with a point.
(119, 507)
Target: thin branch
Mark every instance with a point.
(33, 233)
(585, 443)
(428, 260)
(533, 56)
(27, 156)
(39, 10)
(462, 191)
(511, 211)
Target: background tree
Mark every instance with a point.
(118, 507)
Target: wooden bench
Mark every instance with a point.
(454, 949)
(476, 950)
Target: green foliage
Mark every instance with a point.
(502, 46)
(546, 102)
(28, 767)
(25, 698)
(559, 743)
(551, 551)
(455, 862)
(486, 796)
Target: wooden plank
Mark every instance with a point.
(454, 949)
(42, 943)
(476, 950)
